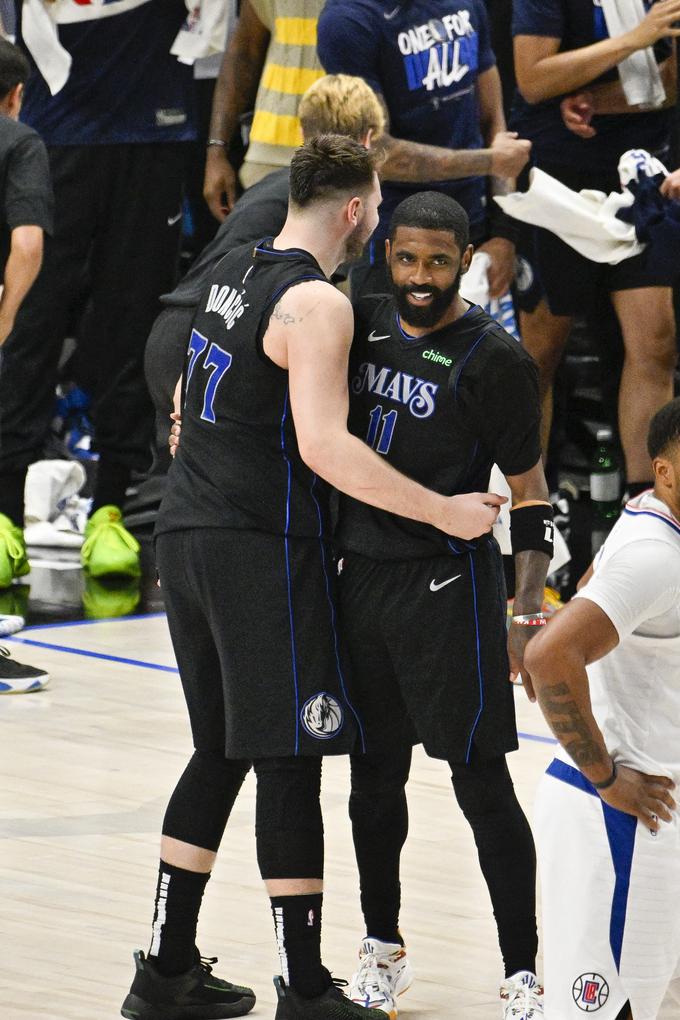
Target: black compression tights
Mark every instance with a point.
(504, 842)
(288, 823)
(203, 798)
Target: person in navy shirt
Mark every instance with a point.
(563, 47)
(432, 64)
(117, 134)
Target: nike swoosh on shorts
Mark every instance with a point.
(435, 587)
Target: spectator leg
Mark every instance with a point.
(545, 337)
(648, 325)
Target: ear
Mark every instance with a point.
(663, 472)
(12, 101)
(388, 250)
(354, 210)
(367, 140)
(466, 259)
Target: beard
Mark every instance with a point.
(425, 317)
(355, 243)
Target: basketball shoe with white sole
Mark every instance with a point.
(15, 678)
(384, 973)
(332, 1005)
(522, 997)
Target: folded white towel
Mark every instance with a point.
(639, 73)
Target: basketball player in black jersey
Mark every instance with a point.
(441, 392)
(242, 552)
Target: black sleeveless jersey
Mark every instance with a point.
(238, 463)
(442, 409)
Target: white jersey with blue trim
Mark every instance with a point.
(635, 689)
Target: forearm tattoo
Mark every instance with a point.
(565, 718)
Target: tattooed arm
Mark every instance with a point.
(578, 635)
(557, 658)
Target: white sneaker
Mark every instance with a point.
(522, 997)
(384, 973)
(10, 624)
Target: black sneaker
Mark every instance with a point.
(194, 995)
(332, 1005)
(15, 678)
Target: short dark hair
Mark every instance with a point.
(327, 166)
(14, 67)
(664, 429)
(432, 210)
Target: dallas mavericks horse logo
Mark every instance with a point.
(322, 716)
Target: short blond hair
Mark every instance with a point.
(341, 104)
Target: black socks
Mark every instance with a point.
(178, 901)
(297, 921)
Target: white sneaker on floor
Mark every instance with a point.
(384, 973)
(10, 624)
(522, 997)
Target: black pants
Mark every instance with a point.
(117, 230)
(505, 847)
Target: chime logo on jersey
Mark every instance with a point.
(227, 302)
(322, 716)
(440, 52)
(417, 394)
(590, 992)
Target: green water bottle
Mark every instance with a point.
(605, 477)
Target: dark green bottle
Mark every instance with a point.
(605, 478)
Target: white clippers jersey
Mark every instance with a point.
(635, 689)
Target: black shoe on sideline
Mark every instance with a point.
(197, 994)
(332, 1005)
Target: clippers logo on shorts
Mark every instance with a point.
(590, 992)
(440, 52)
(322, 716)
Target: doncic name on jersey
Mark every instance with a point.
(418, 394)
(440, 52)
(227, 302)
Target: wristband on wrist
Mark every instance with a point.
(607, 782)
(532, 527)
(216, 141)
(531, 619)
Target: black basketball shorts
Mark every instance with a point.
(252, 618)
(427, 642)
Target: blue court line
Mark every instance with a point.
(157, 665)
(95, 655)
(90, 623)
(535, 736)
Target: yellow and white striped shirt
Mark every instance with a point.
(291, 66)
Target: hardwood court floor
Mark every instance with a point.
(87, 768)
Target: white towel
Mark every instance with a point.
(40, 34)
(205, 30)
(585, 220)
(39, 28)
(474, 287)
(639, 73)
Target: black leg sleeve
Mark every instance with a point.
(379, 815)
(507, 855)
(288, 822)
(203, 798)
